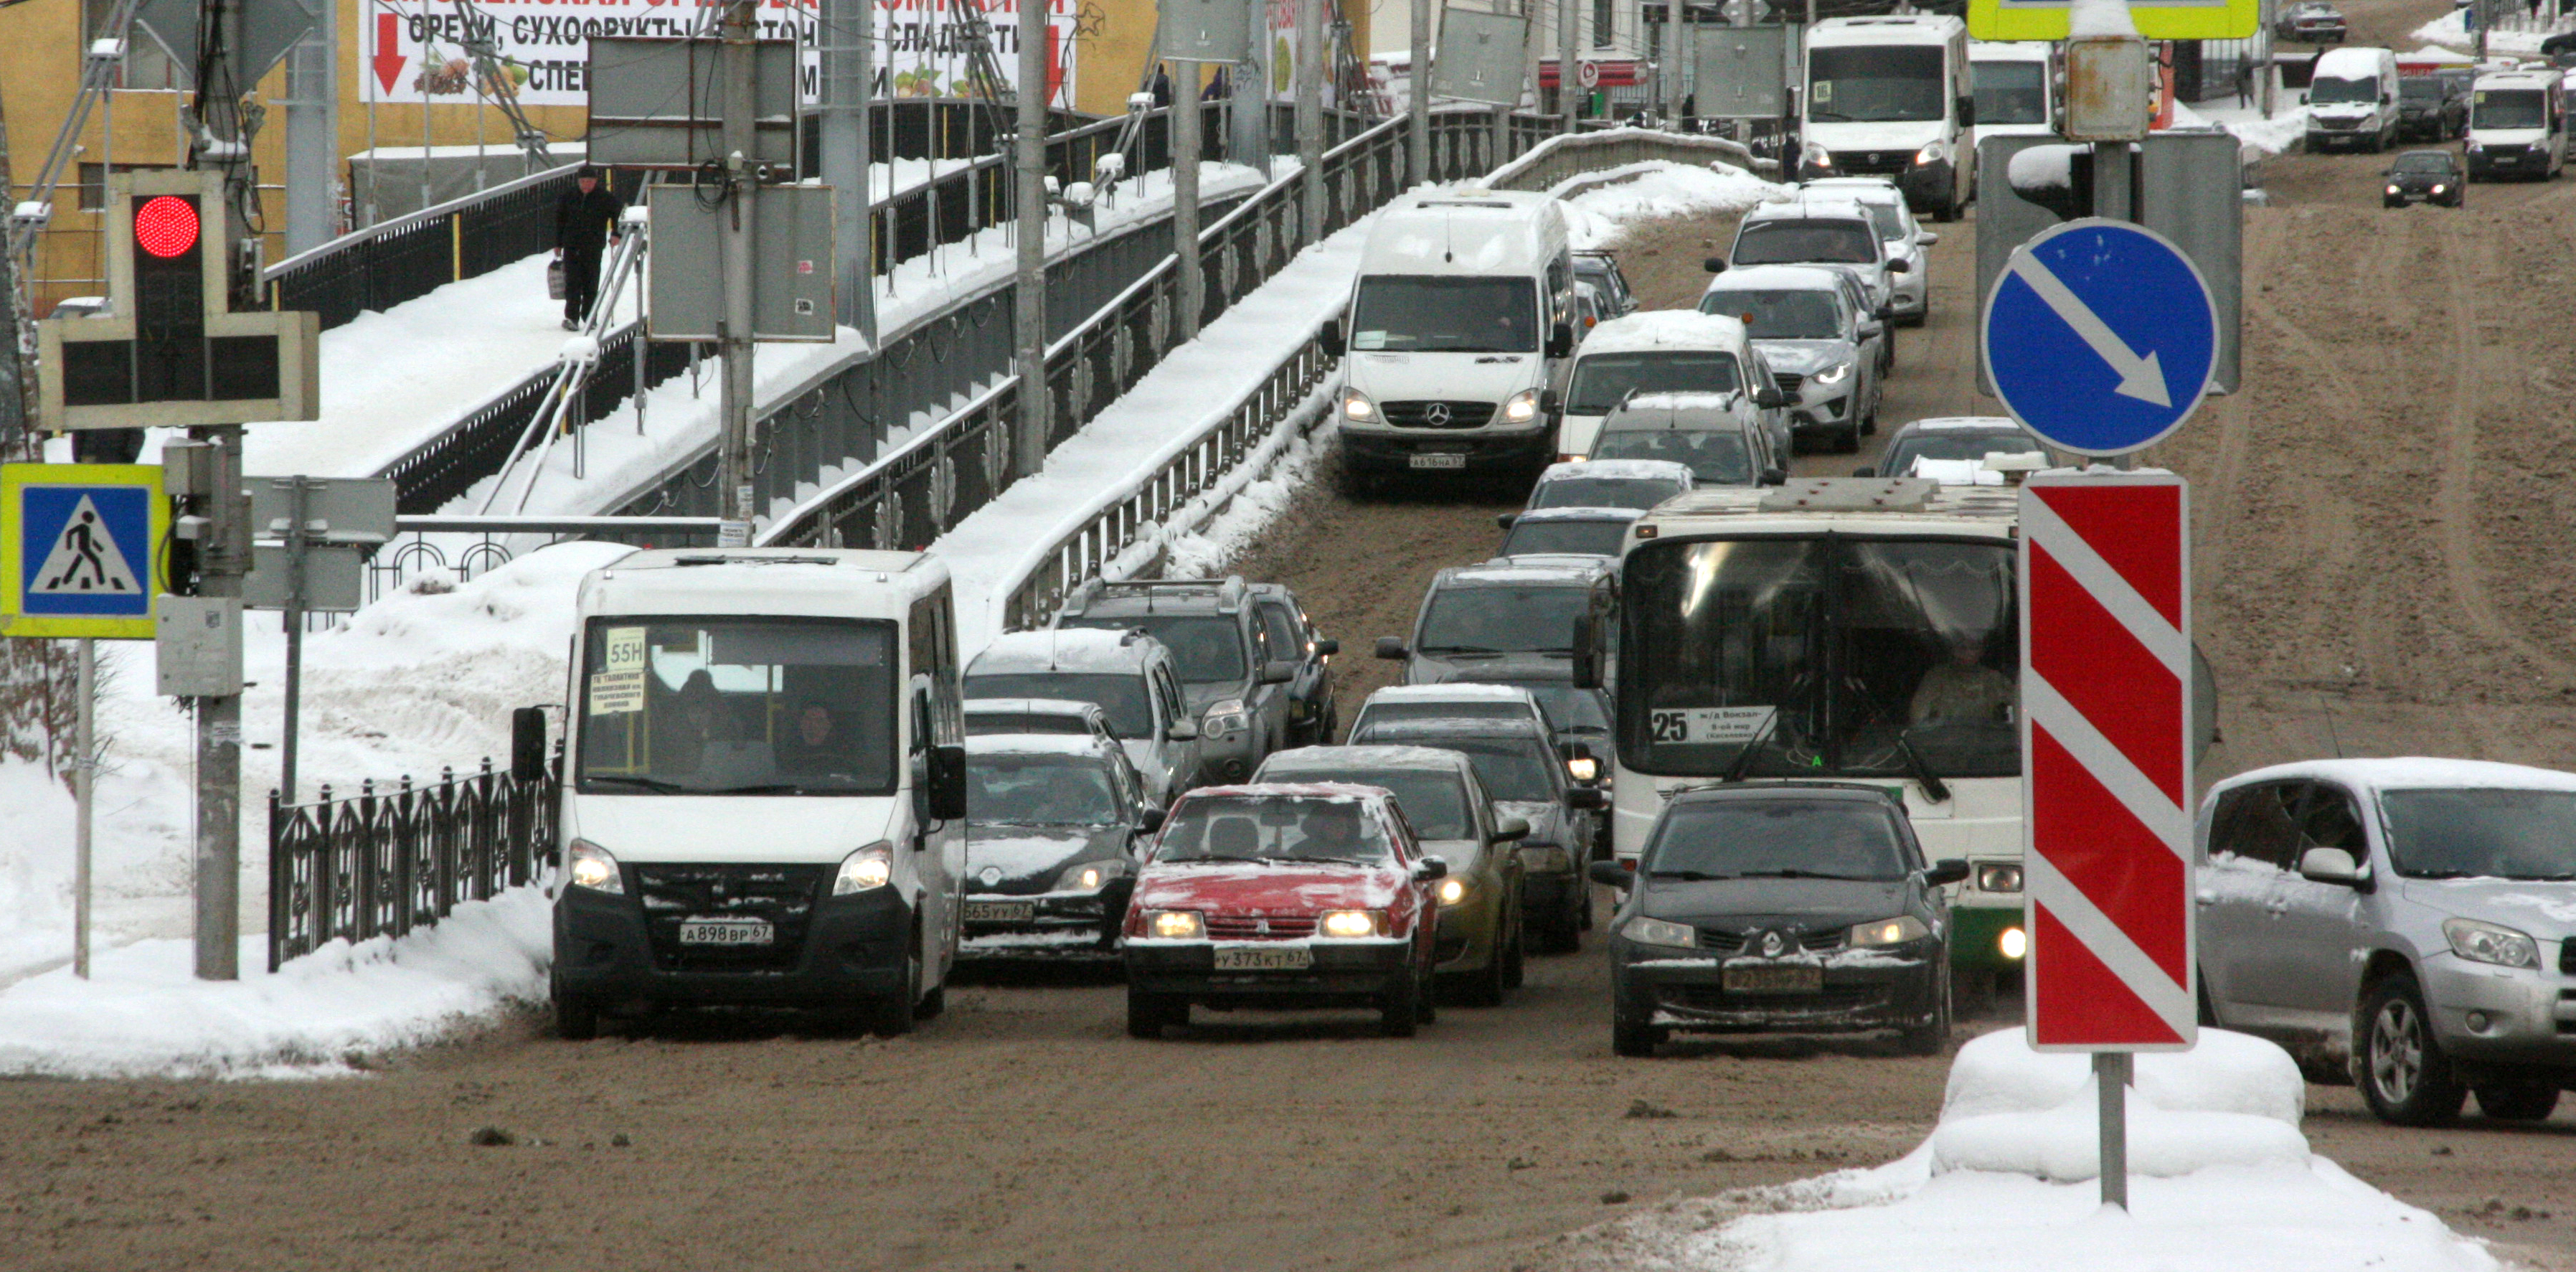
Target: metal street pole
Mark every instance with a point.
(1569, 84)
(1417, 107)
(1028, 301)
(1310, 121)
(1185, 195)
(1668, 71)
(84, 773)
(299, 494)
(224, 547)
(734, 453)
(313, 132)
(2111, 1079)
(845, 32)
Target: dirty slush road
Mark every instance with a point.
(2383, 535)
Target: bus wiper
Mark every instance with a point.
(1690, 876)
(1933, 786)
(762, 788)
(623, 779)
(1744, 759)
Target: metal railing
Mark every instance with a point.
(1545, 164)
(948, 471)
(381, 864)
(476, 545)
(413, 255)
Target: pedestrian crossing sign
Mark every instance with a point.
(81, 549)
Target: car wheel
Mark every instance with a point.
(1426, 1004)
(932, 1003)
(1149, 1014)
(1849, 442)
(1513, 972)
(2518, 1101)
(1630, 1036)
(1928, 1040)
(2405, 1078)
(893, 1015)
(1399, 1010)
(576, 1019)
(1484, 987)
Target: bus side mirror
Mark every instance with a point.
(947, 783)
(1550, 402)
(1560, 340)
(528, 744)
(1587, 659)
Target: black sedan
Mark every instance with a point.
(2433, 107)
(1053, 830)
(2425, 176)
(1793, 909)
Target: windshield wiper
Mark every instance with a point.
(1460, 649)
(1933, 786)
(757, 788)
(1794, 873)
(1744, 759)
(1689, 876)
(620, 779)
(1826, 116)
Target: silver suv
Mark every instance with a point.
(2415, 919)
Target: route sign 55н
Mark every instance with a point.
(2169, 20)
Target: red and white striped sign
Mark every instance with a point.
(2106, 744)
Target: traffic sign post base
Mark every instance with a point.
(2111, 1072)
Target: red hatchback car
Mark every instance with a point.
(1284, 896)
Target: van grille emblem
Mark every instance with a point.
(1437, 413)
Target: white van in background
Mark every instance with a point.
(2517, 125)
(2016, 87)
(2352, 100)
(764, 787)
(1892, 97)
(1459, 327)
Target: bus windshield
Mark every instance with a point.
(1831, 655)
(1875, 83)
(737, 706)
(1445, 315)
(2012, 93)
(2510, 108)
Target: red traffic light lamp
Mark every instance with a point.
(166, 226)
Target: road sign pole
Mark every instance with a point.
(84, 773)
(224, 560)
(1309, 118)
(1028, 301)
(1185, 199)
(1417, 101)
(1569, 81)
(2111, 1080)
(734, 451)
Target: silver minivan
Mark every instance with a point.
(2414, 919)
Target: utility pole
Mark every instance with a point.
(1668, 70)
(312, 133)
(846, 28)
(223, 560)
(1185, 195)
(1028, 300)
(1569, 84)
(1310, 121)
(1417, 106)
(733, 480)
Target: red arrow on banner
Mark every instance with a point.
(388, 59)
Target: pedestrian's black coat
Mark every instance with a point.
(585, 220)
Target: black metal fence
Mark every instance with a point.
(381, 864)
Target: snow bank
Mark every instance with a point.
(2452, 30)
(2220, 1178)
(1662, 188)
(144, 1013)
(2257, 137)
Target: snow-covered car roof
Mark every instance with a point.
(1385, 732)
(1664, 329)
(1294, 790)
(1618, 470)
(2411, 773)
(1075, 649)
(1454, 691)
(1559, 568)
(1808, 209)
(1776, 278)
(1577, 514)
(1683, 400)
(1082, 744)
(1029, 706)
(1983, 423)
(1350, 757)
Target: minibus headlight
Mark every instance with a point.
(869, 867)
(1522, 408)
(1934, 153)
(1357, 406)
(589, 866)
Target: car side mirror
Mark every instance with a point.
(1884, 313)
(528, 744)
(947, 782)
(1947, 871)
(1278, 671)
(1614, 874)
(1770, 399)
(1775, 477)
(2331, 865)
(1926, 237)
(1390, 648)
(1327, 647)
(1149, 821)
(1864, 471)
(1182, 731)
(1430, 869)
(2303, 99)
(1560, 340)
(1505, 520)
(1586, 668)
(1330, 340)
(1507, 829)
(1586, 799)
(1714, 264)
(1900, 266)
(1550, 402)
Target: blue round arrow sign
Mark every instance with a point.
(2100, 336)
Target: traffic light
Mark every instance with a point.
(169, 266)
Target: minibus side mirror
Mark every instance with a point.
(528, 744)
(1329, 339)
(1560, 340)
(947, 782)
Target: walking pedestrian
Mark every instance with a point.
(2244, 82)
(585, 221)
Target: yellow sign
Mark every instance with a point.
(83, 549)
(2047, 19)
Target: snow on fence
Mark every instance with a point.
(374, 864)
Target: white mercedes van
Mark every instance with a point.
(2352, 100)
(1459, 329)
(2517, 126)
(764, 787)
(1892, 97)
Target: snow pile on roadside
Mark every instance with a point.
(2220, 1177)
(2452, 31)
(1662, 188)
(144, 1013)
(2257, 137)
(35, 886)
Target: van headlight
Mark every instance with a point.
(1522, 408)
(1225, 719)
(1349, 924)
(869, 867)
(2491, 943)
(1834, 374)
(1357, 406)
(1815, 154)
(1895, 931)
(1934, 153)
(1645, 931)
(589, 866)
